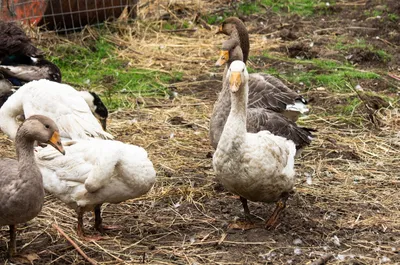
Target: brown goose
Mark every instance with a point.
(266, 99)
(21, 183)
(259, 118)
(265, 90)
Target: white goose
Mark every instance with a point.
(93, 172)
(255, 166)
(60, 102)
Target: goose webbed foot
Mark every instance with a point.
(280, 206)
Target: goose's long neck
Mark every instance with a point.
(235, 130)
(26, 158)
(240, 34)
(238, 113)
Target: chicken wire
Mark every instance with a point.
(65, 15)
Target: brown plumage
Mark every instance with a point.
(265, 90)
(235, 28)
(268, 97)
(21, 183)
(258, 119)
(14, 41)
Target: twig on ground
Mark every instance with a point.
(80, 251)
(179, 30)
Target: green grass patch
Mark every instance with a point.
(98, 68)
(332, 75)
(393, 17)
(361, 44)
(342, 45)
(289, 7)
(350, 107)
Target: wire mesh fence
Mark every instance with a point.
(65, 15)
(72, 15)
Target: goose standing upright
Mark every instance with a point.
(93, 172)
(265, 90)
(256, 166)
(21, 184)
(270, 102)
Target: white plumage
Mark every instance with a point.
(60, 102)
(95, 171)
(256, 166)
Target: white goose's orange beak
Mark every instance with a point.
(223, 58)
(234, 81)
(55, 141)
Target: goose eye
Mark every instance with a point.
(47, 126)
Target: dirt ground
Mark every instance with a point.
(346, 201)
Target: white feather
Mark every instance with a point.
(95, 171)
(60, 102)
(298, 106)
(257, 166)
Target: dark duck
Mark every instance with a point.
(20, 60)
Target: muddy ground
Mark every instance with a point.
(346, 201)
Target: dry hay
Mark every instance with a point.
(346, 200)
(158, 9)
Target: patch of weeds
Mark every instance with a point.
(385, 57)
(169, 26)
(342, 45)
(325, 73)
(174, 26)
(360, 51)
(373, 13)
(299, 7)
(393, 17)
(212, 19)
(249, 7)
(98, 68)
(350, 106)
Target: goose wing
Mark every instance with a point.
(87, 165)
(266, 91)
(259, 119)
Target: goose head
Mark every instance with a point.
(237, 76)
(235, 25)
(225, 28)
(44, 130)
(230, 52)
(96, 106)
